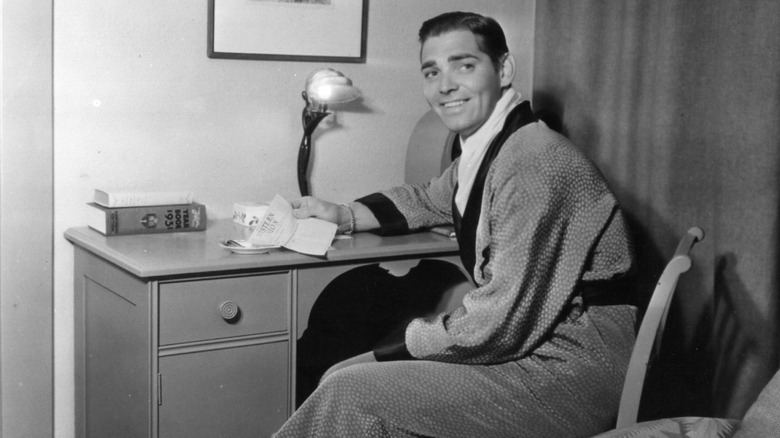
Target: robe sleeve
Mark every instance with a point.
(544, 209)
(411, 207)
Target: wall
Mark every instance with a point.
(138, 104)
(26, 221)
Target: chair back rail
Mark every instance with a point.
(648, 340)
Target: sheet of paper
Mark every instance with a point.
(279, 227)
(312, 236)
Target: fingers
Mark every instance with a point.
(309, 206)
(302, 207)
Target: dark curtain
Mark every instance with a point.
(677, 101)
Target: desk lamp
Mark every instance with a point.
(323, 86)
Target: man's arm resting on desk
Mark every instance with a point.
(338, 214)
(364, 217)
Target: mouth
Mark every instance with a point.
(453, 104)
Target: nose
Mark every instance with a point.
(446, 83)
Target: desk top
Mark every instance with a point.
(186, 253)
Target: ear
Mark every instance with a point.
(507, 70)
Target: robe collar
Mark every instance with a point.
(466, 224)
(473, 147)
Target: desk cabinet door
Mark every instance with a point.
(231, 392)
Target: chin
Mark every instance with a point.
(465, 131)
(454, 125)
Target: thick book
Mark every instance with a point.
(146, 219)
(120, 198)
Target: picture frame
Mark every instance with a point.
(288, 30)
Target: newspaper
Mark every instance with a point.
(278, 227)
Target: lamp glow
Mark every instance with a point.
(324, 92)
(323, 87)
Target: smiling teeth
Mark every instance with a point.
(453, 104)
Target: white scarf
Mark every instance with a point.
(476, 145)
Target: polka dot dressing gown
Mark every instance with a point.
(525, 355)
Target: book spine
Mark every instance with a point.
(152, 219)
(139, 199)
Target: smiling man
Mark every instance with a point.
(461, 82)
(540, 346)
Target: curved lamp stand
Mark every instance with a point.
(323, 86)
(310, 119)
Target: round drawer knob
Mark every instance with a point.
(229, 311)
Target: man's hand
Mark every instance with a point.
(309, 206)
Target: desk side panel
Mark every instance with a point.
(113, 350)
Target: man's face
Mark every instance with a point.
(460, 82)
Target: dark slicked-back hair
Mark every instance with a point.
(490, 36)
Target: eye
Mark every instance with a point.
(466, 67)
(430, 74)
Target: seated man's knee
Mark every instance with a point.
(356, 380)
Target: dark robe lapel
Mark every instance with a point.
(466, 225)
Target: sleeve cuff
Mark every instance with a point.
(393, 347)
(391, 221)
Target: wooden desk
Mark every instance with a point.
(157, 352)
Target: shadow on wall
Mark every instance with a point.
(723, 348)
(723, 343)
(739, 346)
(550, 111)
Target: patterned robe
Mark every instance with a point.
(525, 355)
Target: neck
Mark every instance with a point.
(503, 103)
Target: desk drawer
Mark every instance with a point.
(221, 308)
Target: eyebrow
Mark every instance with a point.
(451, 59)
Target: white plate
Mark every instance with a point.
(247, 250)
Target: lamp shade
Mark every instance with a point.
(326, 85)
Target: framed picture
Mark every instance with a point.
(288, 30)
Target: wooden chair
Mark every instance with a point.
(648, 341)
